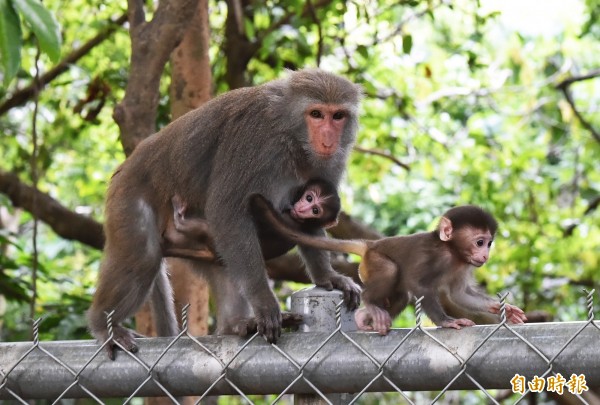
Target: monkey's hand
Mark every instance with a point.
(373, 318)
(122, 338)
(363, 319)
(346, 285)
(457, 323)
(249, 326)
(291, 320)
(514, 314)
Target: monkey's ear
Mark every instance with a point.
(445, 229)
(330, 224)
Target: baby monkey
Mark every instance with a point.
(314, 205)
(437, 266)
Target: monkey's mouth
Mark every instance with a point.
(325, 151)
(324, 155)
(295, 215)
(477, 263)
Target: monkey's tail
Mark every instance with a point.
(262, 207)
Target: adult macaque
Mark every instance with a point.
(267, 139)
(437, 266)
(313, 206)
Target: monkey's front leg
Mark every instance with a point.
(456, 323)
(245, 266)
(322, 274)
(373, 318)
(435, 311)
(514, 314)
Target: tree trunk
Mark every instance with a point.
(190, 88)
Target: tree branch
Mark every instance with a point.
(287, 18)
(151, 43)
(21, 96)
(383, 154)
(592, 206)
(569, 81)
(313, 15)
(239, 49)
(63, 221)
(564, 87)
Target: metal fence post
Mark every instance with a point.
(318, 308)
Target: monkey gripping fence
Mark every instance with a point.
(325, 362)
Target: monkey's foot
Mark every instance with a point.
(457, 323)
(125, 338)
(347, 286)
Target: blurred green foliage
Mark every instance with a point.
(463, 97)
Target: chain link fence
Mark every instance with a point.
(325, 362)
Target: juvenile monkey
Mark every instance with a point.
(312, 207)
(436, 265)
(267, 139)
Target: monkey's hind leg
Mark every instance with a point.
(131, 263)
(380, 277)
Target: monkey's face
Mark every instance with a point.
(325, 124)
(474, 244)
(311, 205)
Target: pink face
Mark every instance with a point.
(325, 124)
(310, 205)
(480, 245)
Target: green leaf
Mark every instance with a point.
(10, 41)
(249, 28)
(407, 43)
(363, 51)
(43, 24)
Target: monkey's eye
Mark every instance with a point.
(315, 211)
(480, 242)
(309, 198)
(490, 244)
(316, 114)
(340, 115)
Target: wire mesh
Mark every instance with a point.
(557, 358)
